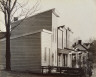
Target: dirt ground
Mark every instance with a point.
(4, 73)
(18, 74)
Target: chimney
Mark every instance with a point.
(79, 41)
(15, 18)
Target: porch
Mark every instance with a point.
(62, 70)
(69, 58)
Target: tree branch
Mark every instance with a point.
(1, 8)
(19, 6)
(13, 5)
(4, 5)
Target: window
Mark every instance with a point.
(49, 56)
(59, 55)
(45, 54)
(55, 35)
(52, 57)
(60, 39)
(55, 56)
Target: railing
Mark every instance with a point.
(62, 70)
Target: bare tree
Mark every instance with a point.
(9, 8)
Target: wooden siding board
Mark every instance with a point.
(2, 53)
(29, 50)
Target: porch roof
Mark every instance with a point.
(64, 51)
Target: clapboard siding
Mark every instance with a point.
(26, 53)
(34, 23)
(2, 54)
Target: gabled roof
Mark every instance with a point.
(34, 23)
(80, 47)
(87, 45)
(65, 51)
(54, 11)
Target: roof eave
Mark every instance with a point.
(55, 12)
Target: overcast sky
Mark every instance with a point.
(79, 15)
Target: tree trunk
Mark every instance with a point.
(8, 54)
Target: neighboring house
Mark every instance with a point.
(81, 54)
(75, 57)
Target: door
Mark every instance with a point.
(65, 60)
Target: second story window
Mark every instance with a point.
(60, 39)
(52, 57)
(55, 35)
(45, 54)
